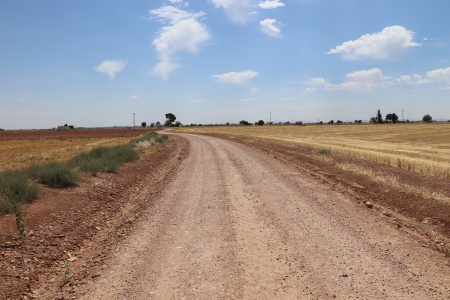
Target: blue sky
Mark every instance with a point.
(95, 63)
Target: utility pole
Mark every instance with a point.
(134, 123)
(270, 118)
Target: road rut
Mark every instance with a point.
(234, 223)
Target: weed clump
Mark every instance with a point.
(54, 174)
(325, 151)
(103, 159)
(15, 188)
(149, 139)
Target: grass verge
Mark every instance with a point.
(54, 174)
(15, 188)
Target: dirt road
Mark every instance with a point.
(236, 224)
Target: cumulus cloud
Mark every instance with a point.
(183, 33)
(238, 78)
(237, 10)
(433, 76)
(413, 79)
(111, 67)
(390, 43)
(268, 28)
(270, 4)
(358, 81)
(440, 75)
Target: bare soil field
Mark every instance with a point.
(70, 134)
(207, 218)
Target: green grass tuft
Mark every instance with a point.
(54, 174)
(15, 188)
(103, 159)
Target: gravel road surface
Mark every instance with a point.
(234, 223)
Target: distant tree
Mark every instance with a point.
(228, 123)
(331, 122)
(243, 122)
(427, 118)
(338, 122)
(152, 124)
(260, 122)
(360, 121)
(170, 118)
(379, 117)
(321, 122)
(158, 124)
(144, 124)
(373, 120)
(177, 124)
(389, 117)
(394, 118)
(71, 126)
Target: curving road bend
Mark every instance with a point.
(237, 224)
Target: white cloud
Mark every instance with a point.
(238, 78)
(172, 15)
(433, 76)
(358, 81)
(413, 79)
(135, 97)
(183, 34)
(270, 4)
(111, 67)
(390, 43)
(268, 28)
(440, 75)
(237, 10)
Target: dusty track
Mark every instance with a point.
(234, 223)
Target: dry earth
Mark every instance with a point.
(231, 222)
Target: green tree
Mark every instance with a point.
(379, 117)
(394, 118)
(260, 122)
(144, 124)
(427, 118)
(177, 124)
(170, 118)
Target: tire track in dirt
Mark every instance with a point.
(234, 223)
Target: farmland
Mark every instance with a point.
(421, 148)
(20, 149)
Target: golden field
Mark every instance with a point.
(21, 149)
(19, 154)
(417, 147)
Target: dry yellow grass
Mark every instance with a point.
(19, 154)
(419, 147)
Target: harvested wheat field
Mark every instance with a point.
(422, 148)
(20, 149)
